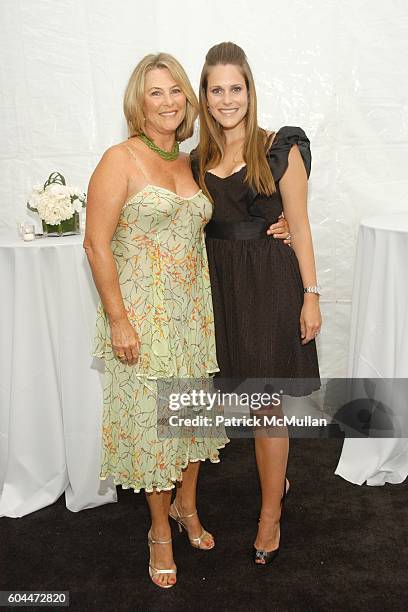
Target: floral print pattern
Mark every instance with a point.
(159, 249)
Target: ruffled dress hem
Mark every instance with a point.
(137, 488)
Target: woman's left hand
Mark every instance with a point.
(310, 318)
(280, 230)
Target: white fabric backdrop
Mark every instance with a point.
(334, 68)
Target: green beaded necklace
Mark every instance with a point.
(168, 155)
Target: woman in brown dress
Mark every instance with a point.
(265, 294)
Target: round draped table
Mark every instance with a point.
(50, 386)
(379, 341)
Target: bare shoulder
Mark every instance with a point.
(115, 154)
(113, 162)
(110, 170)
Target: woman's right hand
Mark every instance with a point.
(125, 341)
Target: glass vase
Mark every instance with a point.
(68, 227)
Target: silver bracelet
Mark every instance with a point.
(316, 289)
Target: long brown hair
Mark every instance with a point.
(134, 94)
(212, 140)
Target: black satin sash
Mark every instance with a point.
(237, 230)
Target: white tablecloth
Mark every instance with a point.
(50, 386)
(379, 340)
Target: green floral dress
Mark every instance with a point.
(160, 254)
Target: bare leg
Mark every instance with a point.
(271, 451)
(185, 501)
(162, 554)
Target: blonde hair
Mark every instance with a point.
(212, 140)
(134, 94)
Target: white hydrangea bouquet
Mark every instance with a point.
(58, 206)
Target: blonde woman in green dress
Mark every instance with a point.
(145, 244)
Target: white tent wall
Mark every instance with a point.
(337, 69)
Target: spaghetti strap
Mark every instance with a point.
(139, 165)
(130, 149)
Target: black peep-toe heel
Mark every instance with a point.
(267, 556)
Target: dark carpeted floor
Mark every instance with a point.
(344, 546)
